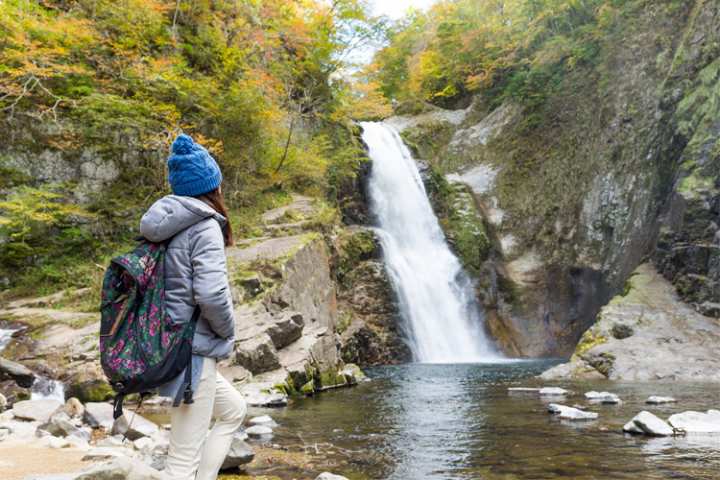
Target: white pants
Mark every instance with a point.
(194, 453)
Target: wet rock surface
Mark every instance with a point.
(671, 341)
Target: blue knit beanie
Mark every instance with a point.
(192, 171)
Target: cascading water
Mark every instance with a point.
(6, 335)
(42, 387)
(443, 320)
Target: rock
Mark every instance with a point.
(552, 392)
(114, 441)
(74, 408)
(697, 422)
(144, 444)
(622, 331)
(240, 453)
(3, 403)
(262, 420)
(353, 374)
(61, 425)
(257, 354)
(78, 443)
(258, 431)
(99, 415)
(134, 426)
(603, 397)
(286, 330)
(523, 390)
(330, 476)
(671, 342)
(654, 400)
(4, 434)
(105, 453)
(121, 468)
(266, 399)
(652, 425)
(17, 372)
(630, 427)
(570, 413)
(36, 410)
(57, 442)
(88, 384)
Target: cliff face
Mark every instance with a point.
(619, 164)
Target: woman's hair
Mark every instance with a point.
(216, 200)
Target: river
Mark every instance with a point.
(442, 422)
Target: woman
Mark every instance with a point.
(194, 220)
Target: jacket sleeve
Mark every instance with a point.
(211, 289)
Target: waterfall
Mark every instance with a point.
(442, 319)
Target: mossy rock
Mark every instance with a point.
(353, 248)
(428, 140)
(308, 389)
(92, 391)
(589, 340)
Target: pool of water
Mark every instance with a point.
(441, 422)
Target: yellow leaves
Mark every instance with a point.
(364, 101)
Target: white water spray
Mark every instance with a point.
(443, 320)
(6, 336)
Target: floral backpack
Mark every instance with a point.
(141, 348)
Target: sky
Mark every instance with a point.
(396, 8)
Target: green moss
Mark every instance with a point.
(353, 248)
(589, 340)
(308, 389)
(95, 391)
(428, 140)
(462, 222)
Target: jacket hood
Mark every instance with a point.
(172, 214)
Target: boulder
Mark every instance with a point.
(99, 415)
(523, 390)
(353, 374)
(286, 330)
(570, 413)
(99, 454)
(144, 444)
(3, 403)
(697, 422)
(240, 453)
(36, 410)
(552, 392)
(134, 426)
(655, 400)
(603, 397)
(258, 431)
(74, 408)
(121, 468)
(22, 375)
(257, 354)
(55, 442)
(652, 425)
(330, 476)
(630, 427)
(60, 425)
(262, 420)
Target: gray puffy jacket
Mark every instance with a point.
(195, 269)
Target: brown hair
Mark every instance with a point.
(216, 200)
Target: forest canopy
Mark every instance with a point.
(499, 48)
(258, 82)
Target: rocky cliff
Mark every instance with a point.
(618, 165)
